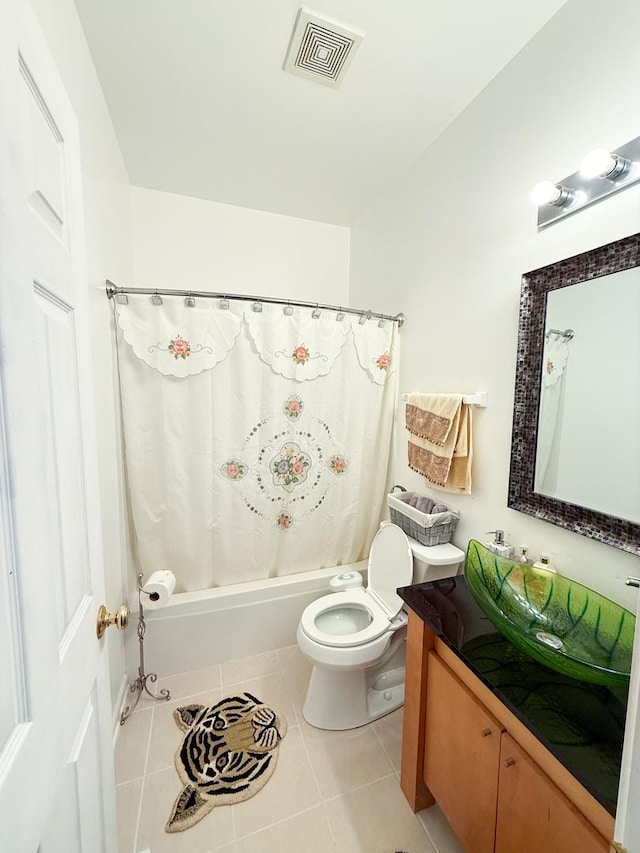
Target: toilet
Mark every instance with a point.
(355, 637)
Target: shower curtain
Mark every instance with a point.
(554, 363)
(257, 437)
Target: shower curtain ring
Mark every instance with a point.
(316, 311)
(340, 315)
(156, 299)
(288, 309)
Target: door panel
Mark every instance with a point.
(45, 162)
(59, 394)
(76, 817)
(534, 816)
(462, 753)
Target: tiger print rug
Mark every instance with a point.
(227, 755)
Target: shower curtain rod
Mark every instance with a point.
(113, 290)
(567, 333)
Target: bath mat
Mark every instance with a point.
(228, 754)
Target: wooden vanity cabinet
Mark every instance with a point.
(500, 789)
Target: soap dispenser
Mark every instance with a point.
(544, 563)
(499, 546)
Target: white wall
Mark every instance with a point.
(108, 234)
(448, 245)
(191, 243)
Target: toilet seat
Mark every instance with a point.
(337, 601)
(390, 566)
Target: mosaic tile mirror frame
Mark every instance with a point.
(536, 285)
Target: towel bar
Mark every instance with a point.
(479, 399)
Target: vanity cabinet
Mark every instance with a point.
(501, 790)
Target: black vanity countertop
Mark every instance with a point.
(581, 724)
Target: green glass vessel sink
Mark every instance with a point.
(555, 620)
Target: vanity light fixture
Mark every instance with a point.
(546, 192)
(601, 163)
(602, 173)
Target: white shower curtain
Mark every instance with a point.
(554, 362)
(257, 444)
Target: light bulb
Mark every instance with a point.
(546, 192)
(599, 163)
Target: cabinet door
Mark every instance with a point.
(534, 816)
(462, 758)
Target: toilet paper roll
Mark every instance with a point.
(159, 589)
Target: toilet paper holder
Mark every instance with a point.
(139, 684)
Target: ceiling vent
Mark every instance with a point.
(321, 49)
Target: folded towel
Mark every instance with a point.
(433, 416)
(426, 505)
(446, 466)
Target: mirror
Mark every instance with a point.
(575, 452)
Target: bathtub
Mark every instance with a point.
(196, 629)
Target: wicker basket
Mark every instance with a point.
(434, 529)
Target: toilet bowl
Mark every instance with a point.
(355, 637)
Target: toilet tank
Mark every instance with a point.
(433, 562)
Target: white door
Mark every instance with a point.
(56, 774)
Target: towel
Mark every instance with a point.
(446, 466)
(433, 416)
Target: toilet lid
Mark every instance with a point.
(390, 566)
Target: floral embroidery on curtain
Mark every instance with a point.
(176, 340)
(290, 467)
(256, 443)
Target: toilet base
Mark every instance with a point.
(347, 700)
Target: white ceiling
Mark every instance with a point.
(202, 107)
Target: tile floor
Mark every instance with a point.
(332, 792)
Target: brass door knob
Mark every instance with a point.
(120, 619)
